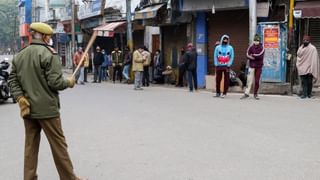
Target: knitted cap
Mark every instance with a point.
(306, 37)
(257, 38)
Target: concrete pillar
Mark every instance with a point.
(252, 19)
(201, 45)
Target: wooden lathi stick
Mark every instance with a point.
(93, 37)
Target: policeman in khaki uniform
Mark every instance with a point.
(35, 80)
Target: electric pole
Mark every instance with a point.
(72, 31)
(129, 25)
(292, 45)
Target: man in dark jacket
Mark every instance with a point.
(190, 58)
(127, 63)
(117, 63)
(35, 80)
(97, 62)
(182, 68)
(255, 54)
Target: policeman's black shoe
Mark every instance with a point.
(311, 97)
(217, 95)
(245, 96)
(303, 97)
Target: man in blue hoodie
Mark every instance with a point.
(223, 59)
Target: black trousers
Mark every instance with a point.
(97, 73)
(119, 70)
(192, 79)
(307, 84)
(145, 78)
(182, 71)
(85, 74)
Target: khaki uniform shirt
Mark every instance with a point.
(36, 74)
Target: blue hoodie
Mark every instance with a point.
(223, 54)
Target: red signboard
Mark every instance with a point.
(24, 30)
(271, 37)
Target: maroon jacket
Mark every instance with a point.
(257, 52)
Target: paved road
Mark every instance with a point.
(115, 133)
(6, 56)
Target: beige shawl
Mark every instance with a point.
(308, 61)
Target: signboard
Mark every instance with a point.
(59, 28)
(24, 30)
(274, 42)
(91, 9)
(263, 9)
(271, 37)
(66, 12)
(25, 12)
(297, 13)
(56, 3)
(207, 5)
(121, 5)
(22, 15)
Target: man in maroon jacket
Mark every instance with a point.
(255, 54)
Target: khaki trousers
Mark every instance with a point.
(54, 133)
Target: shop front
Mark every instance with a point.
(211, 20)
(174, 38)
(235, 24)
(111, 35)
(307, 14)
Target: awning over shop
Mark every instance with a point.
(148, 12)
(308, 9)
(108, 30)
(210, 5)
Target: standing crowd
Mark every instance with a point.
(36, 79)
(148, 70)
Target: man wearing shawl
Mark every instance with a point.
(307, 66)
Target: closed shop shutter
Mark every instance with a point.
(138, 38)
(314, 28)
(174, 38)
(234, 23)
